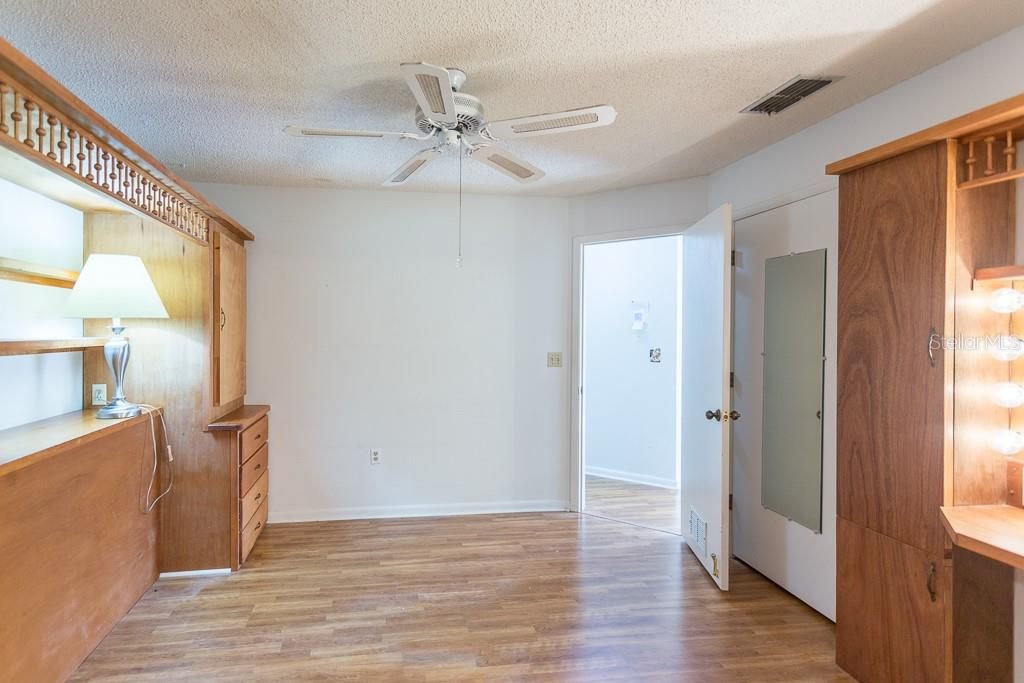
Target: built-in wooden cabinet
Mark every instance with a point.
(245, 437)
(229, 330)
(915, 419)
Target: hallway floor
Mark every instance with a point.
(650, 506)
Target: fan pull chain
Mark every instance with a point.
(458, 259)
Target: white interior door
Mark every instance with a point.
(705, 404)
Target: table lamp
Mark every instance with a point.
(115, 286)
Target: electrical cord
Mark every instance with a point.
(156, 459)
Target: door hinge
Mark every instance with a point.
(730, 501)
(732, 379)
(732, 259)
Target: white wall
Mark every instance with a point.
(39, 230)
(675, 203)
(631, 408)
(363, 334)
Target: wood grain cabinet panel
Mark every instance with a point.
(253, 530)
(255, 437)
(888, 627)
(252, 469)
(229, 327)
(254, 498)
(892, 283)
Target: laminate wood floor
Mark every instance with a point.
(650, 506)
(527, 597)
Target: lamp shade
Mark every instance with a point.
(114, 286)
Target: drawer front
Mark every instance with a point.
(254, 437)
(253, 529)
(252, 469)
(254, 498)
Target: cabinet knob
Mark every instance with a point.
(258, 495)
(713, 415)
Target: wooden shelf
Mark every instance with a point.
(23, 271)
(999, 273)
(29, 443)
(1005, 176)
(994, 531)
(240, 419)
(25, 347)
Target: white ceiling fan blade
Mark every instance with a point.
(406, 170)
(506, 162)
(432, 87)
(559, 122)
(307, 132)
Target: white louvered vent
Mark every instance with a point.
(788, 94)
(698, 532)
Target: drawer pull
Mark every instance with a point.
(931, 581)
(258, 525)
(259, 436)
(258, 465)
(258, 496)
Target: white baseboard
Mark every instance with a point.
(398, 511)
(632, 477)
(195, 573)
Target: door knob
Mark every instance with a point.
(734, 415)
(713, 415)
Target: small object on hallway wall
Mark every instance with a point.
(640, 310)
(656, 355)
(374, 456)
(554, 359)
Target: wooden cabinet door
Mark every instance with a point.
(892, 297)
(888, 626)
(229, 319)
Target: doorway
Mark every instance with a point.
(701, 403)
(630, 327)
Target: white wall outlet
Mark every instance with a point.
(99, 394)
(554, 359)
(374, 456)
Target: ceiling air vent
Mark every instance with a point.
(788, 94)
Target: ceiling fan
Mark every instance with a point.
(454, 119)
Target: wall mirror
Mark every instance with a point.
(794, 353)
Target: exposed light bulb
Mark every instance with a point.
(1008, 394)
(1006, 347)
(1008, 442)
(1005, 300)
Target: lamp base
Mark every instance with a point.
(117, 409)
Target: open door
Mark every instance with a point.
(705, 401)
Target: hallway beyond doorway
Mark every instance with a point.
(648, 506)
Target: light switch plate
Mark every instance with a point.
(554, 359)
(99, 394)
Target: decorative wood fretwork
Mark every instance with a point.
(990, 156)
(28, 125)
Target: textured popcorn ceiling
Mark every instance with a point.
(208, 85)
